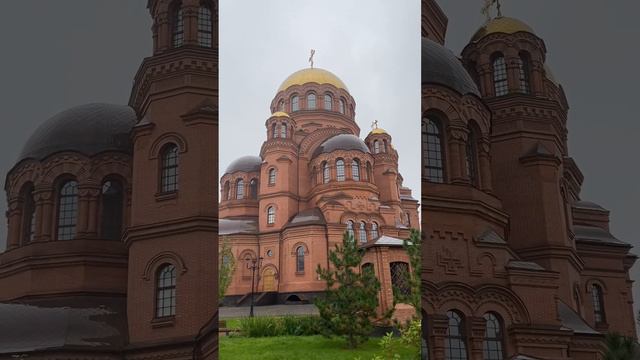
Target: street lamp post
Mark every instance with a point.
(253, 265)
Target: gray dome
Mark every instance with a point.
(88, 129)
(342, 142)
(440, 66)
(245, 163)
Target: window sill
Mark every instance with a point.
(163, 196)
(166, 321)
(299, 273)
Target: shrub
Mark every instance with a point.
(280, 326)
(260, 326)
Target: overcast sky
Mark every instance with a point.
(592, 50)
(374, 49)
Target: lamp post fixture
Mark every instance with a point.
(254, 264)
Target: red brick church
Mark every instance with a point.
(516, 263)
(112, 220)
(314, 179)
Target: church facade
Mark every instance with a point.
(314, 179)
(112, 236)
(516, 263)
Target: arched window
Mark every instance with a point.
(432, 145)
(369, 174)
(205, 27)
(169, 173)
(342, 106)
(166, 291)
(400, 278)
(376, 147)
(177, 33)
(28, 215)
(374, 231)
(326, 175)
(500, 83)
(472, 155)
(328, 102)
(492, 348)
(350, 230)
(227, 191)
(253, 189)
(311, 101)
(281, 105)
(408, 219)
(300, 259)
(367, 267)
(524, 66)
(67, 210)
(355, 170)
(271, 215)
(295, 103)
(274, 130)
(340, 170)
(598, 304)
(112, 201)
(384, 146)
(283, 130)
(239, 189)
(272, 176)
(362, 232)
(455, 340)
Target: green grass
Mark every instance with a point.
(303, 347)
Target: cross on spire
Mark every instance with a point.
(487, 7)
(374, 125)
(313, 52)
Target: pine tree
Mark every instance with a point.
(351, 298)
(413, 247)
(227, 264)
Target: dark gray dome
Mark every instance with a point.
(88, 129)
(245, 163)
(440, 66)
(341, 142)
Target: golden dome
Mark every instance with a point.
(378, 131)
(280, 113)
(502, 24)
(312, 75)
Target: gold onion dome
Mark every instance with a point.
(378, 131)
(502, 24)
(280, 113)
(312, 75)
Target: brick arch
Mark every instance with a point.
(168, 138)
(162, 258)
(18, 177)
(75, 165)
(297, 245)
(109, 166)
(475, 301)
(313, 140)
(593, 281)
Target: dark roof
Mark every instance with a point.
(246, 163)
(88, 129)
(307, 217)
(238, 226)
(63, 323)
(582, 204)
(342, 142)
(571, 320)
(440, 66)
(596, 234)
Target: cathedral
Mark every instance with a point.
(112, 213)
(517, 265)
(314, 179)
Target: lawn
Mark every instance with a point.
(303, 348)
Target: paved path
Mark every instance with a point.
(229, 312)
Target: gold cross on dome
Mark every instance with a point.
(487, 7)
(313, 52)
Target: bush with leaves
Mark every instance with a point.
(227, 266)
(620, 347)
(413, 247)
(351, 298)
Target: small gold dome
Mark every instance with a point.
(312, 75)
(280, 113)
(378, 131)
(502, 24)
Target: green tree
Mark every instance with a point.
(620, 347)
(227, 264)
(413, 247)
(351, 298)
